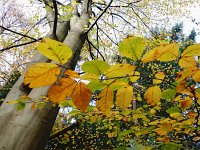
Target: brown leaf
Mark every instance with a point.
(81, 96)
(58, 93)
(105, 100)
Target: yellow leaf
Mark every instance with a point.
(71, 74)
(58, 93)
(93, 119)
(192, 114)
(54, 50)
(120, 70)
(164, 129)
(33, 106)
(196, 76)
(13, 102)
(186, 103)
(164, 53)
(117, 84)
(41, 74)
(153, 95)
(81, 96)
(135, 76)
(105, 100)
(132, 47)
(124, 97)
(187, 62)
(180, 87)
(193, 50)
(89, 77)
(159, 78)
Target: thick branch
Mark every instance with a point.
(55, 19)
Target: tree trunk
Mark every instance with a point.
(29, 129)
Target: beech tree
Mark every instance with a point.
(50, 70)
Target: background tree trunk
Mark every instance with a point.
(29, 129)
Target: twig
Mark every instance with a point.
(18, 33)
(99, 17)
(7, 48)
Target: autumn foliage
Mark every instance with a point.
(156, 86)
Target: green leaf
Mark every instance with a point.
(54, 50)
(20, 106)
(197, 90)
(95, 85)
(173, 110)
(168, 94)
(171, 146)
(95, 67)
(132, 47)
(120, 70)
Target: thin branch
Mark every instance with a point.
(142, 21)
(17, 40)
(99, 17)
(95, 48)
(123, 19)
(108, 36)
(7, 48)
(18, 33)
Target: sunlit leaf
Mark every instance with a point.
(41, 74)
(180, 87)
(159, 78)
(153, 95)
(89, 77)
(95, 67)
(132, 47)
(96, 85)
(71, 74)
(193, 50)
(168, 94)
(58, 92)
(196, 76)
(124, 97)
(105, 100)
(186, 103)
(192, 114)
(135, 76)
(187, 62)
(173, 110)
(120, 70)
(164, 129)
(81, 96)
(54, 50)
(163, 53)
(118, 84)
(12, 102)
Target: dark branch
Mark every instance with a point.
(90, 43)
(99, 17)
(55, 19)
(24, 35)
(7, 48)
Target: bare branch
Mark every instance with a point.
(18, 45)
(99, 17)
(55, 19)
(24, 35)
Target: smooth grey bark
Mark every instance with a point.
(29, 129)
